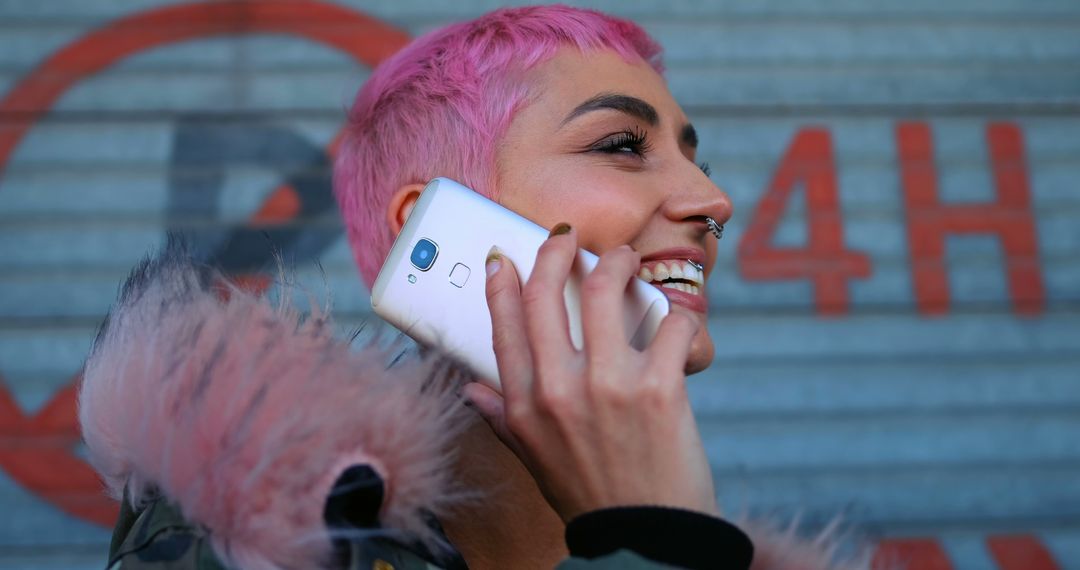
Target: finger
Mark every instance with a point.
(602, 302)
(670, 347)
(508, 334)
(543, 298)
(492, 408)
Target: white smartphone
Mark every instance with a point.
(432, 284)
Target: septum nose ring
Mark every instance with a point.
(716, 229)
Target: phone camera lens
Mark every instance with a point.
(424, 254)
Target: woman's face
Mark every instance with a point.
(604, 147)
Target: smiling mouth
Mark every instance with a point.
(680, 275)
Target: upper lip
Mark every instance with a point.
(681, 253)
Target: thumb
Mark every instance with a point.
(491, 406)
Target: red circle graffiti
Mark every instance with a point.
(38, 451)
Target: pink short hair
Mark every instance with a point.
(440, 105)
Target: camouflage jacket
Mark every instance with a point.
(158, 538)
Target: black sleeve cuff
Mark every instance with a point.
(662, 534)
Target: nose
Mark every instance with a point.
(697, 198)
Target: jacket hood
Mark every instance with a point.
(244, 414)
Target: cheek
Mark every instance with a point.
(607, 225)
(600, 205)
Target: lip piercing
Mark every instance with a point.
(716, 229)
(696, 265)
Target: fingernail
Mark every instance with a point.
(560, 229)
(494, 261)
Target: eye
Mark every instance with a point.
(631, 140)
(704, 166)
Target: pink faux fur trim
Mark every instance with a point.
(778, 548)
(244, 414)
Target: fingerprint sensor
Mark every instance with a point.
(459, 275)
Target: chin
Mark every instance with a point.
(701, 352)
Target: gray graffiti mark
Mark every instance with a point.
(204, 148)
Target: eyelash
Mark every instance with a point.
(637, 142)
(633, 139)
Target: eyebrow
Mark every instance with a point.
(631, 106)
(622, 103)
(688, 136)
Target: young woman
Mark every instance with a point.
(239, 437)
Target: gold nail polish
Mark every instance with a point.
(560, 229)
(493, 261)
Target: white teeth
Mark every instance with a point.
(684, 287)
(691, 273)
(675, 270)
(660, 272)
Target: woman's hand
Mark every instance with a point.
(600, 427)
